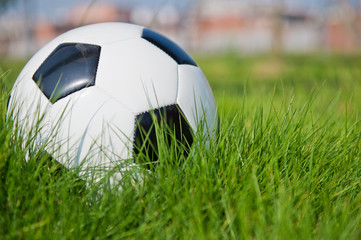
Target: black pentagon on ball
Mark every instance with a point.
(69, 68)
(169, 47)
(172, 124)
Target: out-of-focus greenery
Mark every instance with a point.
(277, 80)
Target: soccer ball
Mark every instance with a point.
(93, 93)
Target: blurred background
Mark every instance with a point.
(200, 26)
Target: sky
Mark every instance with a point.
(53, 10)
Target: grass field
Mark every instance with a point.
(286, 165)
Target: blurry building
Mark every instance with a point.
(220, 25)
(13, 38)
(302, 31)
(342, 30)
(79, 15)
(250, 27)
(207, 26)
(97, 12)
(166, 20)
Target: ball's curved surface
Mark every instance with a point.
(93, 85)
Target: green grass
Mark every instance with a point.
(286, 165)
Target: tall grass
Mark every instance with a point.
(285, 164)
